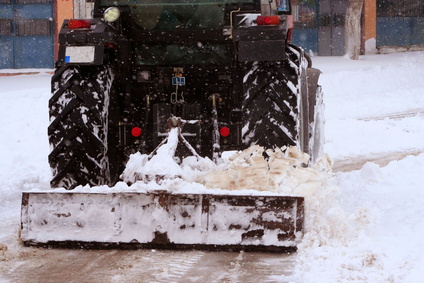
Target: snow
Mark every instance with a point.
(361, 226)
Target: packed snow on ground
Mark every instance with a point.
(361, 226)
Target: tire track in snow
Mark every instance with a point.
(267, 268)
(234, 272)
(43, 265)
(155, 266)
(177, 266)
(396, 115)
(356, 162)
(231, 267)
(278, 268)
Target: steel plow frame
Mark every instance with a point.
(162, 220)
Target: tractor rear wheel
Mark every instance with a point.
(79, 125)
(270, 104)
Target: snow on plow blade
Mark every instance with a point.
(161, 220)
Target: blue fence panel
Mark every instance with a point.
(6, 11)
(306, 38)
(417, 31)
(26, 34)
(34, 52)
(6, 52)
(33, 11)
(400, 31)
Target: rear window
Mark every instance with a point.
(177, 17)
(176, 14)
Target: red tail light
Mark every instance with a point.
(136, 132)
(79, 24)
(268, 20)
(224, 131)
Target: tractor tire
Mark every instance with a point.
(79, 126)
(270, 103)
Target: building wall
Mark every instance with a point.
(64, 9)
(26, 34)
(83, 9)
(370, 26)
(400, 23)
(305, 33)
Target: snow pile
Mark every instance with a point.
(23, 148)
(365, 228)
(281, 171)
(162, 163)
(373, 105)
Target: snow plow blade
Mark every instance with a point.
(161, 220)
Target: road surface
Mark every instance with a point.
(44, 265)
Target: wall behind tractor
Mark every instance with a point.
(83, 9)
(400, 22)
(63, 9)
(305, 18)
(28, 28)
(26, 34)
(319, 26)
(70, 9)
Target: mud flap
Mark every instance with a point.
(313, 76)
(161, 220)
(316, 118)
